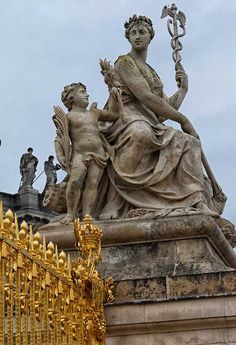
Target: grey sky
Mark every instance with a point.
(47, 44)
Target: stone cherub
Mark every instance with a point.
(80, 148)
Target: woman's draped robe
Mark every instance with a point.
(165, 170)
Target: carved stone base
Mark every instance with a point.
(147, 257)
(175, 280)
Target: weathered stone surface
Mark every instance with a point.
(203, 321)
(140, 290)
(160, 259)
(173, 257)
(139, 261)
(175, 287)
(196, 285)
(228, 230)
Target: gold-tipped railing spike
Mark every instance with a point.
(45, 298)
(50, 254)
(8, 223)
(62, 262)
(31, 239)
(56, 258)
(16, 229)
(2, 280)
(76, 231)
(44, 251)
(68, 267)
(1, 215)
(23, 233)
(36, 244)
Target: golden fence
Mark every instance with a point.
(44, 297)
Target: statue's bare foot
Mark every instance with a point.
(205, 209)
(109, 214)
(67, 219)
(57, 218)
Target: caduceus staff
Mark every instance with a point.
(178, 20)
(176, 17)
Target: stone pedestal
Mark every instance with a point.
(175, 279)
(27, 204)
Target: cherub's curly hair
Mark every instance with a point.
(136, 20)
(67, 95)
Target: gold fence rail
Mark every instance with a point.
(44, 297)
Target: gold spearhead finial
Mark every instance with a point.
(9, 215)
(36, 242)
(62, 261)
(69, 265)
(31, 238)
(1, 215)
(16, 228)
(50, 253)
(56, 257)
(8, 223)
(76, 231)
(44, 249)
(23, 233)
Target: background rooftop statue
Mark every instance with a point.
(28, 167)
(50, 170)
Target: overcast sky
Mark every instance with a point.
(46, 44)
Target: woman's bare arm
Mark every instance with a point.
(182, 82)
(138, 85)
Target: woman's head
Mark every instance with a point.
(139, 21)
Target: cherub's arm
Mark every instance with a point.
(105, 115)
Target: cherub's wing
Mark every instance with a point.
(62, 140)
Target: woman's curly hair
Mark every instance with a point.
(139, 20)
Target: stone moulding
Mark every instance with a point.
(203, 315)
(127, 232)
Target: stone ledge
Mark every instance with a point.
(130, 231)
(200, 321)
(173, 325)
